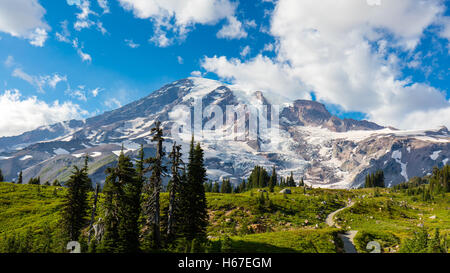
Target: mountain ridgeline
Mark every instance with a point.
(312, 144)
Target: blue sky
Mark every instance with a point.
(93, 56)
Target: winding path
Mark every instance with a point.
(347, 237)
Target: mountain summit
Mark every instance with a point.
(310, 142)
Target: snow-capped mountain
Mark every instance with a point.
(324, 149)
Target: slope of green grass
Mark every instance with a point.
(284, 223)
(390, 217)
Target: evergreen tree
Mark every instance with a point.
(152, 204)
(273, 179)
(56, 183)
(1, 176)
(112, 192)
(174, 189)
(20, 179)
(302, 183)
(129, 212)
(374, 180)
(75, 203)
(242, 186)
(208, 187)
(122, 193)
(226, 186)
(216, 187)
(192, 197)
(290, 181)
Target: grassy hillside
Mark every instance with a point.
(250, 221)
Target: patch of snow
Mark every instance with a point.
(78, 155)
(96, 154)
(85, 145)
(202, 87)
(5, 157)
(60, 151)
(435, 155)
(26, 157)
(397, 155)
(445, 161)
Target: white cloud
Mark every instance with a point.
(40, 82)
(232, 30)
(259, 73)
(83, 20)
(96, 91)
(178, 16)
(64, 36)
(9, 61)
(268, 47)
(341, 50)
(38, 37)
(196, 73)
(25, 114)
(101, 28)
(85, 57)
(250, 23)
(180, 60)
(113, 103)
(131, 43)
(24, 19)
(55, 79)
(245, 51)
(79, 93)
(104, 5)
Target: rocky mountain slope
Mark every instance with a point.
(324, 149)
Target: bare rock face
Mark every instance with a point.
(312, 113)
(323, 149)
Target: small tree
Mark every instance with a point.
(20, 179)
(76, 204)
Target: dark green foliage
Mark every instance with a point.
(258, 178)
(427, 187)
(208, 186)
(226, 244)
(1, 176)
(174, 191)
(423, 243)
(215, 187)
(374, 180)
(153, 189)
(273, 180)
(56, 183)
(226, 186)
(263, 203)
(192, 197)
(302, 183)
(243, 186)
(290, 181)
(76, 203)
(34, 181)
(122, 192)
(20, 179)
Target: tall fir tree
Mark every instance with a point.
(122, 193)
(1, 176)
(152, 204)
(192, 197)
(174, 189)
(75, 207)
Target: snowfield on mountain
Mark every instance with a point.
(325, 150)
